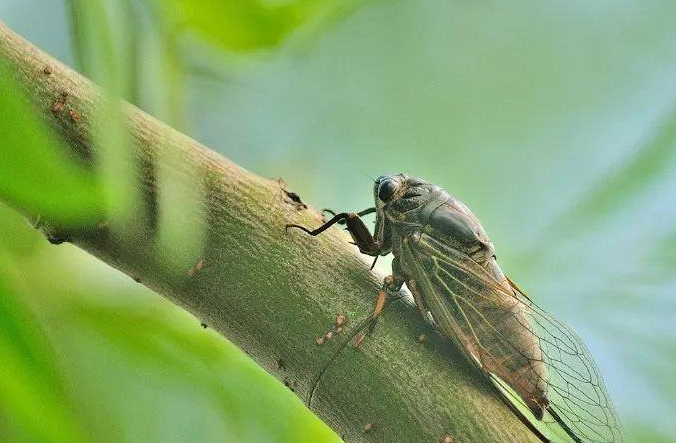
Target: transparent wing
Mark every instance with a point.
(540, 358)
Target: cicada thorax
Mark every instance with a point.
(493, 327)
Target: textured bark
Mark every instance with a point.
(272, 292)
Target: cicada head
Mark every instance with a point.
(395, 196)
(400, 193)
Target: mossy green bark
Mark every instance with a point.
(273, 292)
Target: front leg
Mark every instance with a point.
(362, 213)
(355, 226)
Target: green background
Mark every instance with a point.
(554, 121)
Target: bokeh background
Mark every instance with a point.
(554, 121)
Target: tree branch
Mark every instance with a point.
(272, 292)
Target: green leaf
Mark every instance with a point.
(30, 385)
(650, 161)
(100, 28)
(170, 343)
(36, 176)
(244, 25)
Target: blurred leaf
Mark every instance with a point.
(170, 342)
(649, 161)
(35, 174)
(31, 394)
(111, 58)
(76, 34)
(14, 238)
(97, 47)
(129, 15)
(662, 261)
(240, 24)
(245, 25)
(28, 340)
(100, 32)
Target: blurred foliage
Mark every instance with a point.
(30, 382)
(652, 159)
(86, 355)
(554, 122)
(42, 179)
(99, 29)
(245, 25)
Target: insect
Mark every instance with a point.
(441, 252)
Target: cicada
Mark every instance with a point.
(540, 367)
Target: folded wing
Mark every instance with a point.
(538, 363)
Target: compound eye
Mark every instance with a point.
(386, 190)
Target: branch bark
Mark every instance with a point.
(272, 292)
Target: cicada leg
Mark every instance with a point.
(360, 234)
(342, 222)
(390, 289)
